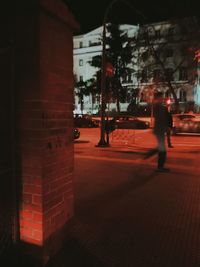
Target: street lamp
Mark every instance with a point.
(102, 142)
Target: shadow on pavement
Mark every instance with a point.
(74, 254)
(115, 194)
(128, 152)
(189, 151)
(81, 142)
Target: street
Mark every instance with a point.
(130, 146)
(126, 214)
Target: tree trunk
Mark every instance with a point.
(171, 89)
(117, 100)
(118, 105)
(82, 103)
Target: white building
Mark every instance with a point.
(165, 36)
(87, 46)
(167, 40)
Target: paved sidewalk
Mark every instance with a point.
(126, 215)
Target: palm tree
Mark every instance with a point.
(82, 90)
(119, 54)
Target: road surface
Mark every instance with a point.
(126, 214)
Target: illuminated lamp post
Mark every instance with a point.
(102, 142)
(168, 103)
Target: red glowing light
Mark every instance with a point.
(197, 55)
(109, 69)
(168, 101)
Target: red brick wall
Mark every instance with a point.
(56, 85)
(46, 116)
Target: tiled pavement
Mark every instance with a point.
(126, 215)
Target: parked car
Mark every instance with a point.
(131, 123)
(76, 133)
(186, 123)
(85, 122)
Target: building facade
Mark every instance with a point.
(161, 63)
(86, 47)
(166, 63)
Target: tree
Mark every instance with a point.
(82, 90)
(89, 87)
(175, 39)
(119, 54)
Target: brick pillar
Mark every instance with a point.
(44, 54)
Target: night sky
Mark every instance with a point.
(89, 13)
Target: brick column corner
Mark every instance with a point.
(44, 59)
